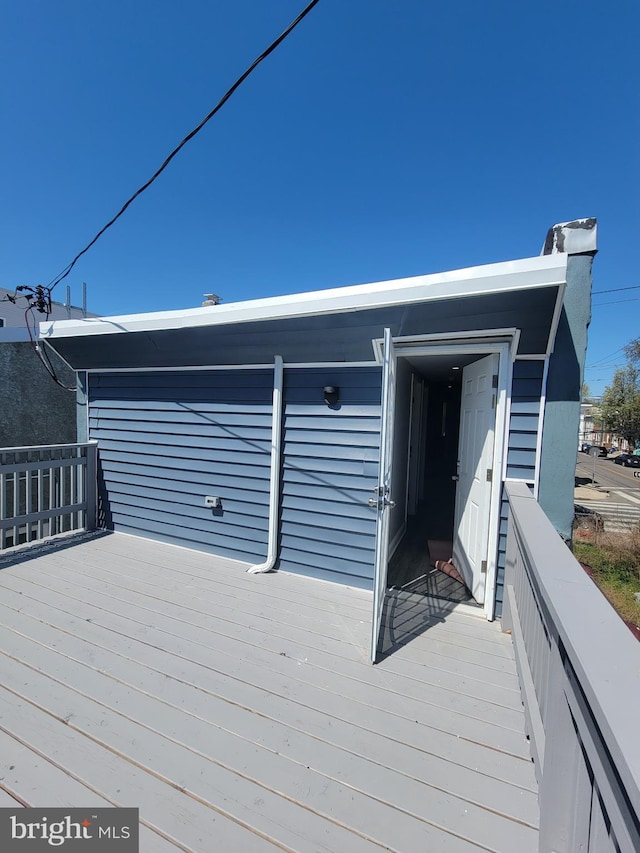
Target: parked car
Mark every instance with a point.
(622, 458)
(596, 450)
(632, 462)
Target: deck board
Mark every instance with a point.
(283, 658)
(148, 675)
(183, 610)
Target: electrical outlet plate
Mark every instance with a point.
(212, 502)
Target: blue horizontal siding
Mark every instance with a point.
(526, 398)
(203, 437)
(199, 473)
(310, 523)
(523, 440)
(526, 393)
(161, 495)
(330, 468)
(328, 499)
(194, 425)
(166, 440)
(230, 412)
(174, 456)
(320, 466)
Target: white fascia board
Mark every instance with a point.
(543, 271)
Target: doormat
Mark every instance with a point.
(440, 554)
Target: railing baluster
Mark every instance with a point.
(3, 509)
(16, 506)
(27, 501)
(73, 498)
(44, 491)
(40, 504)
(52, 499)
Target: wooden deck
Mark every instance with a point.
(240, 713)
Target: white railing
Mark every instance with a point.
(579, 669)
(46, 490)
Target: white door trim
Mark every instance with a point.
(454, 345)
(383, 500)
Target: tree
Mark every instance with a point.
(585, 394)
(620, 406)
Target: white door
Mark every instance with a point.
(382, 500)
(475, 473)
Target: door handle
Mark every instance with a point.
(381, 502)
(455, 477)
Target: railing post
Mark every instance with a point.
(91, 486)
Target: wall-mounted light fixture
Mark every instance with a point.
(331, 394)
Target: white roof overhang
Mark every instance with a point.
(509, 276)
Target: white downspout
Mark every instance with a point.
(274, 486)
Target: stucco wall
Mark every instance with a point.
(33, 409)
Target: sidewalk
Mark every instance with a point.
(590, 493)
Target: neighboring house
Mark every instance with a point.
(33, 409)
(593, 432)
(307, 432)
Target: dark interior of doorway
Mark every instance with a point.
(429, 535)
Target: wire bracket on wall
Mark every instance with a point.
(38, 297)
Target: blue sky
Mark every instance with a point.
(381, 140)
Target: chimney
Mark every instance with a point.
(211, 299)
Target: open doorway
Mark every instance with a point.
(417, 564)
(444, 451)
(438, 500)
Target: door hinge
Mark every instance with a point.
(493, 401)
(489, 475)
(483, 567)
(494, 380)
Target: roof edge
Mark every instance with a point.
(540, 271)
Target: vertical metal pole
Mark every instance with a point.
(84, 298)
(68, 302)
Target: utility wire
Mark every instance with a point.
(616, 302)
(615, 289)
(41, 352)
(605, 357)
(65, 272)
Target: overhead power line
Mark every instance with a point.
(615, 302)
(615, 289)
(274, 44)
